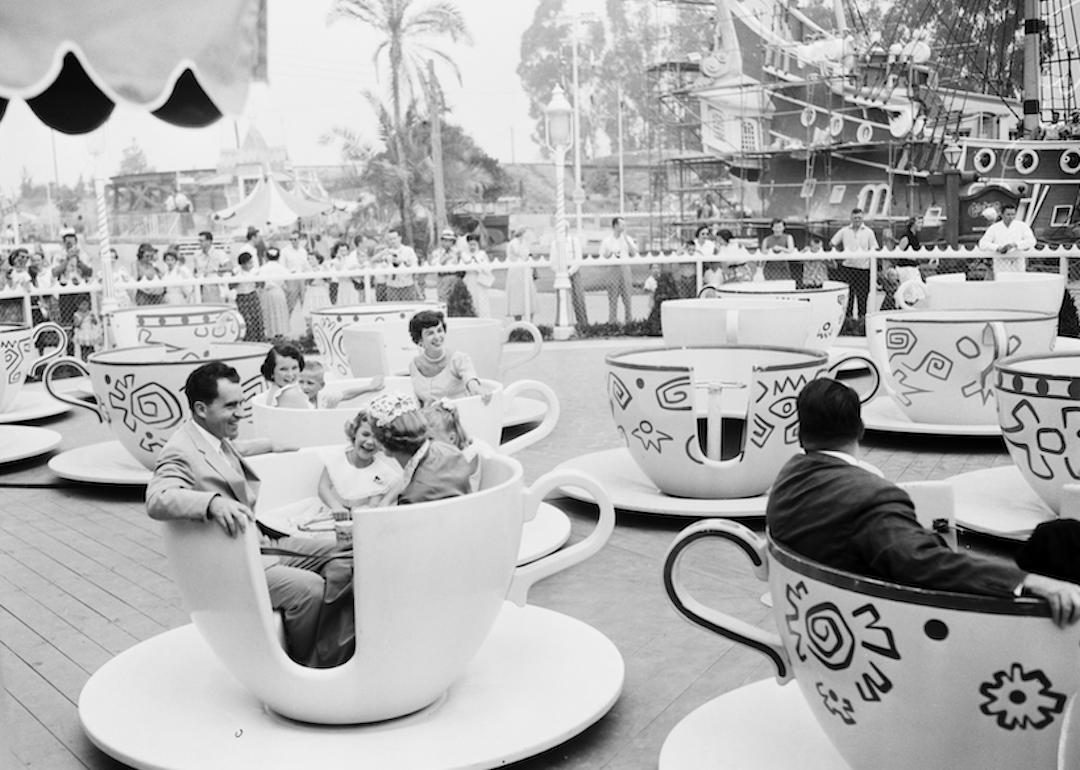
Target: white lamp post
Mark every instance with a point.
(559, 122)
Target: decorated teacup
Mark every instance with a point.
(19, 347)
(140, 391)
(429, 581)
(828, 304)
(481, 420)
(901, 677)
(737, 320)
(941, 362)
(713, 422)
(391, 318)
(1035, 292)
(179, 327)
(1038, 407)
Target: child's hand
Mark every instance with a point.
(332, 399)
(378, 382)
(485, 396)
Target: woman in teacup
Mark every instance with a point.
(281, 369)
(437, 373)
(361, 475)
(431, 470)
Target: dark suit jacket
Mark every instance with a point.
(846, 517)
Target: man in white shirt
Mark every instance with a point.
(1009, 238)
(856, 237)
(294, 259)
(447, 256)
(618, 244)
(400, 287)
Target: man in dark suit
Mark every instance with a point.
(201, 475)
(828, 506)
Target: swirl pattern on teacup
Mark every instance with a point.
(16, 355)
(149, 411)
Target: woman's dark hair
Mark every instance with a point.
(700, 230)
(285, 350)
(829, 415)
(338, 247)
(16, 254)
(472, 237)
(776, 220)
(726, 234)
(244, 258)
(425, 319)
(202, 384)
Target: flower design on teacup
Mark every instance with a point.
(1021, 699)
(858, 644)
(1023, 429)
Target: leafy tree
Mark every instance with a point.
(133, 159)
(409, 41)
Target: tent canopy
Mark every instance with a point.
(186, 62)
(271, 205)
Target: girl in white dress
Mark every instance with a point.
(478, 282)
(361, 475)
(317, 295)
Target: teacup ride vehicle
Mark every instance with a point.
(888, 676)
(452, 668)
(372, 350)
(546, 532)
(328, 325)
(21, 357)
(1038, 411)
(139, 394)
(704, 430)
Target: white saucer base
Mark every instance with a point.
(762, 726)
(540, 678)
(32, 405)
(19, 442)
(632, 491)
(883, 415)
(998, 502)
(103, 463)
(524, 411)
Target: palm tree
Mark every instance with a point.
(410, 40)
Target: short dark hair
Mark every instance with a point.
(1008, 206)
(816, 238)
(16, 254)
(726, 234)
(776, 220)
(829, 415)
(472, 238)
(856, 210)
(285, 350)
(425, 319)
(244, 258)
(206, 235)
(701, 229)
(616, 220)
(202, 384)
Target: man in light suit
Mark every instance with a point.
(201, 476)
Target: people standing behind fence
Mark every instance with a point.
(815, 271)
(446, 255)
(1009, 237)
(855, 271)
(708, 210)
(294, 259)
(147, 269)
(211, 263)
(778, 242)
(400, 286)
(732, 261)
(345, 290)
(317, 292)
(620, 280)
(176, 294)
(247, 297)
(72, 272)
(905, 269)
(521, 297)
(480, 279)
(88, 333)
(275, 310)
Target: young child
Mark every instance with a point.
(444, 424)
(815, 271)
(88, 332)
(312, 382)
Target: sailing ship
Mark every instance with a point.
(809, 123)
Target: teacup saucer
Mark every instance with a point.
(998, 502)
(882, 414)
(523, 411)
(540, 678)
(32, 405)
(104, 463)
(762, 726)
(546, 533)
(18, 442)
(632, 491)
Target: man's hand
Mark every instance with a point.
(1063, 597)
(1006, 248)
(230, 514)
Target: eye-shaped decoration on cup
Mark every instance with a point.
(1038, 408)
(901, 677)
(178, 327)
(140, 391)
(1033, 292)
(404, 660)
(19, 346)
(828, 304)
(713, 422)
(392, 319)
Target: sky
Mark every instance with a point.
(317, 73)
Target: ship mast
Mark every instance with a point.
(1033, 25)
(841, 22)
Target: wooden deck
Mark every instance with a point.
(83, 577)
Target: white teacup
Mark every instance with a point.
(327, 325)
(178, 327)
(828, 304)
(367, 347)
(672, 405)
(1035, 292)
(1038, 404)
(941, 362)
(731, 320)
(901, 677)
(140, 391)
(429, 581)
(481, 421)
(18, 344)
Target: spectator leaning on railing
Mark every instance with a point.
(856, 237)
(1010, 238)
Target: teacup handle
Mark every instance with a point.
(871, 392)
(534, 348)
(999, 339)
(738, 631)
(49, 326)
(546, 426)
(97, 409)
(230, 318)
(901, 295)
(526, 576)
(731, 326)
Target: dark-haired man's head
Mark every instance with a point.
(829, 416)
(216, 399)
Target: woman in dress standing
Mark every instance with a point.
(520, 288)
(317, 295)
(343, 259)
(478, 281)
(275, 309)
